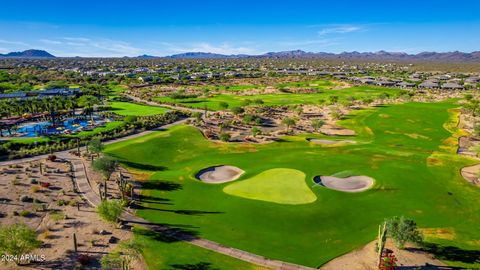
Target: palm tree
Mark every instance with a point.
(87, 102)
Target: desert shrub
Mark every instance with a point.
(17, 239)
(110, 210)
(403, 230)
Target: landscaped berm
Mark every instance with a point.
(265, 201)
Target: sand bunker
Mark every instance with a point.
(470, 173)
(328, 142)
(348, 184)
(219, 174)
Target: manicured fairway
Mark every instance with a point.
(409, 150)
(358, 92)
(284, 186)
(127, 108)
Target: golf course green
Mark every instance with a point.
(276, 210)
(284, 186)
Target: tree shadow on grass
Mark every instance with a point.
(159, 185)
(188, 212)
(151, 199)
(144, 167)
(168, 233)
(193, 266)
(450, 253)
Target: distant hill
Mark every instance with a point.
(203, 55)
(146, 56)
(455, 56)
(29, 54)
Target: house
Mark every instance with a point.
(13, 95)
(65, 92)
(429, 84)
(452, 86)
(406, 85)
(385, 83)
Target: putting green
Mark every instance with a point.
(284, 186)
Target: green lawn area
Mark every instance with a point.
(108, 126)
(358, 92)
(409, 150)
(168, 254)
(127, 108)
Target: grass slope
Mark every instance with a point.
(127, 108)
(283, 186)
(401, 146)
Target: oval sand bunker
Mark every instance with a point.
(348, 184)
(219, 174)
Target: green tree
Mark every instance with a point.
(124, 254)
(403, 230)
(88, 102)
(223, 105)
(288, 122)
(17, 239)
(255, 131)
(130, 119)
(237, 110)
(95, 146)
(198, 116)
(110, 210)
(106, 166)
(225, 136)
(317, 124)
(333, 99)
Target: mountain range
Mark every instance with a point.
(28, 54)
(455, 56)
(380, 55)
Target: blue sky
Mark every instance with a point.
(130, 28)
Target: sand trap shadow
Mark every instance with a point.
(356, 183)
(219, 174)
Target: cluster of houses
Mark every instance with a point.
(40, 94)
(166, 71)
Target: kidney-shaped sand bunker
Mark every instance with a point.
(219, 174)
(355, 183)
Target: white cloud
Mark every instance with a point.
(340, 29)
(81, 46)
(49, 41)
(308, 42)
(16, 43)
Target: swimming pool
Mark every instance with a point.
(37, 129)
